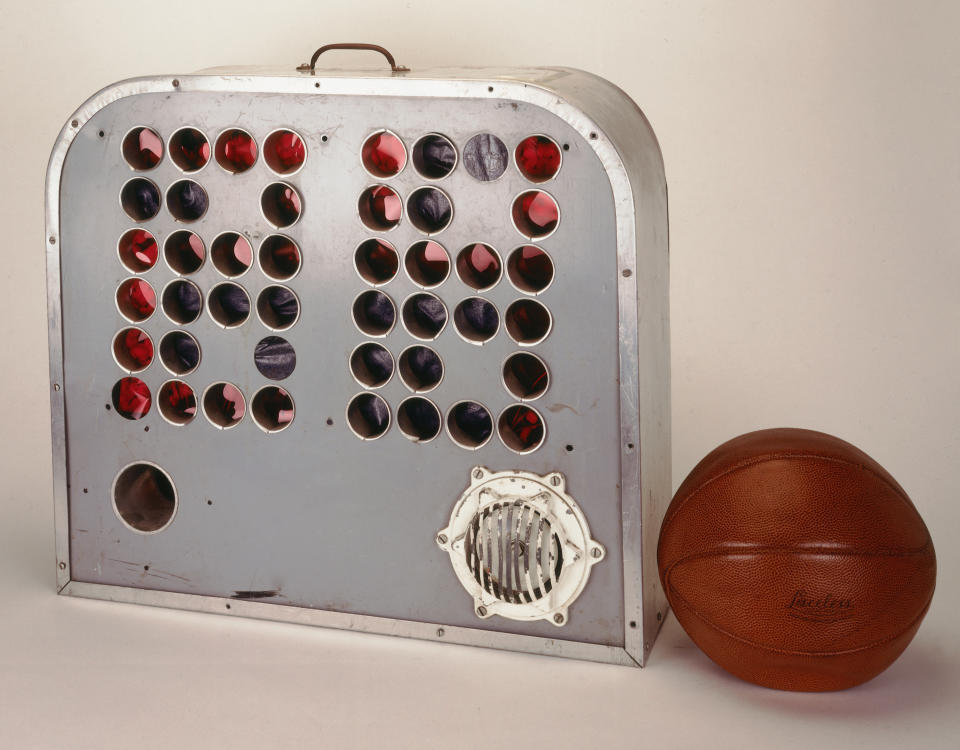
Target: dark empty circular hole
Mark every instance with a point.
(140, 199)
(528, 322)
(179, 352)
(368, 416)
(521, 428)
(376, 261)
(235, 150)
(138, 250)
(189, 149)
(144, 497)
(231, 254)
(380, 208)
(538, 158)
(131, 398)
(434, 156)
(136, 300)
(430, 209)
(478, 266)
(476, 319)
(371, 364)
(485, 157)
(424, 316)
(281, 204)
(535, 214)
(421, 368)
(469, 424)
(525, 376)
(279, 257)
(530, 269)
(272, 408)
(182, 301)
(374, 313)
(278, 307)
(383, 154)
(419, 419)
(224, 405)
(284, 151)
(228, 304)
(275, 357)
(142, 148)
(184, 252)
(186, 200)
(427, 263)
(177, 402)
(133, 349)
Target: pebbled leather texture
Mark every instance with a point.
(795, 561)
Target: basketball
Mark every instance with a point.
(795, 561)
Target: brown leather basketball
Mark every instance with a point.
(795, 561)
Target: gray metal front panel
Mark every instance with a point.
(313, 513)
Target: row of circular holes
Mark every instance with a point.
(279, 256)
(222, 404)
(468, 423)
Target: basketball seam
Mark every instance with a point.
(816, 550)
(745, 463)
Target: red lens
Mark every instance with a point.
(184, 252)
(224, 405)
(272, 409)
(138, 250)
(521, 429)
(383, 154)
(279, 257)
(377, 261)
(136, 299)
(478, 266)
(142, 148)
(528, 322)
(236, 151)
(525, 376)
(177, 402)
(281, 204)
(538, 158)
(535, 214)
(133, 349)
(284, 151)
(380, 208)
(427, 263)
(131, 398)
(530, 269)
(231, 254)
(189, 149)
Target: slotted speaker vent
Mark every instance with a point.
(520, 545)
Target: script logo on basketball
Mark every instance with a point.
(819, 607)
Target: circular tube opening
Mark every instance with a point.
(281, 204)
(530, 269)
(521, 428)
(140, 199)
(434, 156)
(131, 398)
(224, 405)
(228, 305)
(231, 254)
(368, 416)
(429, 209)
(177, 402)
(383, 154)
(374, 313)
(424, 316)
(380, 208)
(284, 151)
(485, 157)
(278, 308)
(371, 365)
(427, 264)
(280, 257)
(189, 149)
(182, 301)
(478, 266)
(144, 497)
(528, 322)
(376, 261)
(272, 409)
(275, 358)
(476, 320)
(421, 368)
(133, 349)
(419, 419)
(142, 148)
(179, 352)
(235, 150)
(184, 252)
(187, 201)
(538, 158)
(136, 300)
(525, 376)
(469, 424)
(535, 214)
(138, 250)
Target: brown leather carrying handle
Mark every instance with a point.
(312, 65)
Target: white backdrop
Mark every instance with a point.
(812, 151)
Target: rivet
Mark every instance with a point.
(176, 83)
(627, 273)
(558, 618)
(440, 632)
(62, 566)
(75, 123)
(482, 611)
(56, 386)
(52, 240)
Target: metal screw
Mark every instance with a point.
(558, 618)
(478, 473)
(176, 82)
(482, 611)
(555, 480)
(75, 123)
(627, 273)
(439, 632)
(53, 240)
(63, 566)
(56, 386)
(596, 552)
(441, 539)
